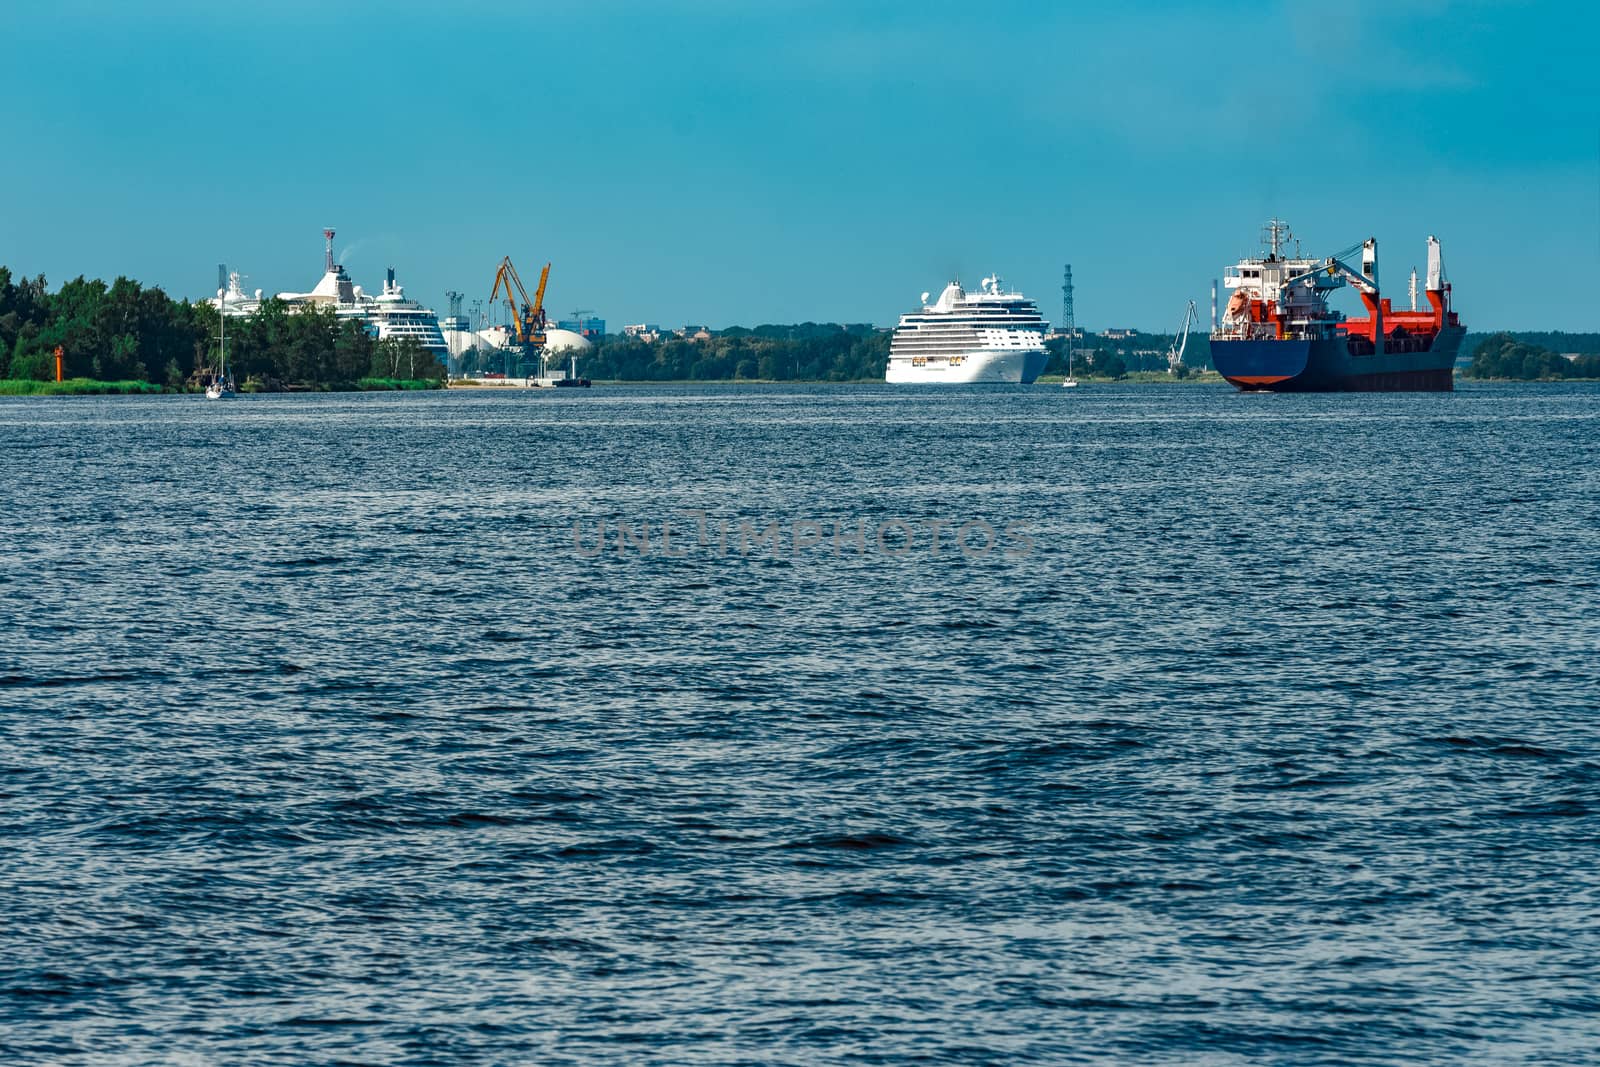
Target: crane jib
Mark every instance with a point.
(528, 320)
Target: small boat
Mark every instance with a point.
(1069, 382)
(221, 386)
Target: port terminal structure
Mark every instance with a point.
(526, 343)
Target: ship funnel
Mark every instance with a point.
(1369, 260)
(389, 279)
(1435, 265)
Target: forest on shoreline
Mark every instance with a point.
(1515, 357)
(126, 333)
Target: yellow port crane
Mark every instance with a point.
(528, 320)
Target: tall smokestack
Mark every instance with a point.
(328, 234)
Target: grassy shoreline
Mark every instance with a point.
(78, 387)
(92, 387)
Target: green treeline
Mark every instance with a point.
(804, 352)
(120, 332)
(1103, 357)
(1555, 340)
(127, 333)
(313, 347)
(1503, 355)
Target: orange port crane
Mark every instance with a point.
(528, 320)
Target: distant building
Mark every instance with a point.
(643, 331)
(584, 327)
(693, 333)
(1117, 335)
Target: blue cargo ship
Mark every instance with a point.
(1278, 333)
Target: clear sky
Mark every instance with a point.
(738, 162)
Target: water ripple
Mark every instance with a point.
(1278, 746)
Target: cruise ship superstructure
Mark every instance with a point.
(989, 336)
(388, 315)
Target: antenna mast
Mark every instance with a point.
(1274, 235)
(1067, 322)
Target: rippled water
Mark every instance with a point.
(1270, 737)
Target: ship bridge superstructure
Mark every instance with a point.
(1278, 295)
(392, 316)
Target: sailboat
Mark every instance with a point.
(221, 387)
(1069, 382)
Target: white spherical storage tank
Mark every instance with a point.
(565, 340)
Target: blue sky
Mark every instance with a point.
(736, 162)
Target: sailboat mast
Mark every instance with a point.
(222, 319)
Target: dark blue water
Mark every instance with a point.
(1264, 731)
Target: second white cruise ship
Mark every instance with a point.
(990, 336)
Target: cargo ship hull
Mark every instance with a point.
(1327, 365)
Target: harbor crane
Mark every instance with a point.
(1181, 342)
(528, 319)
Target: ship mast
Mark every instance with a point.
(1274, 234)
(222, 320)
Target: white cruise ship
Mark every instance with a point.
(389, 314)
(991, 336)
(392, 315)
